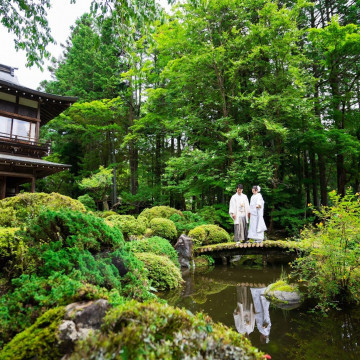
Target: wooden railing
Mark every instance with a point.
(24, 140)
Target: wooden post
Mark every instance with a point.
(3, 188)
(33, 184)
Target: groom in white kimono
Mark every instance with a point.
(239, 210)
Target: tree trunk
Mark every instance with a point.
(314, 178)
(133, 157)
(323, 184)
(158, 147)
(306, 178)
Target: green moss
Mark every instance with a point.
(155, 245)
(127, 224)
(161, 271)
(282, 285)
(15, 210)
(65, 250)
(12, 252)
(209, 234)
(39, 341)
(159, 212)
(164, 228)
(105, 214)
(152, 330)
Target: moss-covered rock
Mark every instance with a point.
(158, 331)
(159, 212)
(208, 234)
(127, 224)
(161, 271)
(164, 228)
(155, 245)
(283, 295)
(39, 341)
(15, 210)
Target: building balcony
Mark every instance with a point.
(24, 146)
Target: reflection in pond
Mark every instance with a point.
(252, 307)
(244, 314)
(262, 316)
(295, 334)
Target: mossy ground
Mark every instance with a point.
(39, 341)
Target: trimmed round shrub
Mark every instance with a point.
(127, 224)
(187, 222)
(164, 228)
(14, 211)
(106, 214)
(159, 212)
(155, 245)
(88, 202)
(139, 329)
(161, 271)
(209, 234)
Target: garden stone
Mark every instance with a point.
(283, 295)
(184, 248)
(80, 320)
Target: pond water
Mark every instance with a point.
(231, 294)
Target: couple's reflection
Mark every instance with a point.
(252, 307)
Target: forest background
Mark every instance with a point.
(182, 107)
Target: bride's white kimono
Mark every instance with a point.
(257, 223)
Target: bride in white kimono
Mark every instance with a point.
(257, 223)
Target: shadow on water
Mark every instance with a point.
(233, 295)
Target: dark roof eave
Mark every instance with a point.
(70, 99)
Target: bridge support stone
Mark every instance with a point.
(224, 260)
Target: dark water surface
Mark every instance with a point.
(284, 334)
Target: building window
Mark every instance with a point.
(17, 129)
(5, 126)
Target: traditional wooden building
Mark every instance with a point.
(22, 112)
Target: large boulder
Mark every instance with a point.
(283, 295)
(80, 320)
(184, 248)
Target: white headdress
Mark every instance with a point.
(258, 188)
